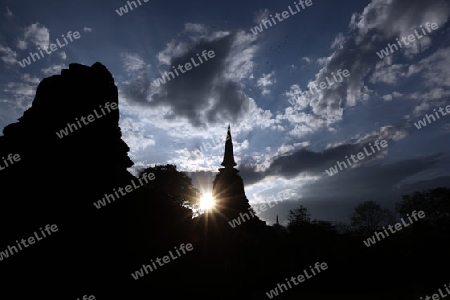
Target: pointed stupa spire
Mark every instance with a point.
(277, 220)
(228, 157)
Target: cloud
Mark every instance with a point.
(62, 54)
(264, 81)
(418, 46)
(436, 69)
(389, 97)
(338, 41)
(370, 180)
(390, 19)
(390, 74)
(283, 149)
(290, 162)
(37, 34)
(133, 134)
(8, 12)
(388, 132)
(173, 49)
(260, 15)
(29, 79)
(53, 69)
(435, 78)
(379, 23)
(294, 95)
(306, 59)
(137, 89)
(8, 56)
(322, 61)
(210, 93)
(22, 44)
(22, 92)
(195, 28)
(132, 62)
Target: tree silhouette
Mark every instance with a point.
(434, 202)
(175, 184)
(369, 216)
(298, 217)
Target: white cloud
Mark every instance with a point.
(387, 132)
(37, 34)
(295, 96)
(379, 23)
(338, 41)
(260, 15)
(435, 78)
(53, 70)
(240, 62)
(302, 144)
(237, 147)
(416, 47)
(306, 59)
(265, 81)
(22, 92)
(302, 123)
(389, 74)
(195, 28)
(62, 54)
(172, 49)
(29, 79)
(436, 68)
(8, 56)
(22, 44)
(283, 149)
(387, 97)
(322, 61)
(132, 62)
(133, 134)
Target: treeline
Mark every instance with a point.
(247, 260)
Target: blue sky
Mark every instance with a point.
(249, 83)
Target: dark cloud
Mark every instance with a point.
(375, 180)
(342, 192)
(203, 94)
(137, 89)
(315, 163)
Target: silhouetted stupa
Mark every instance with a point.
(228, 188)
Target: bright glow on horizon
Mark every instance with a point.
(207, 201)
